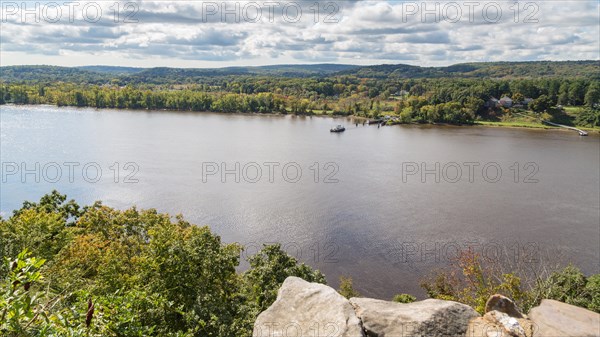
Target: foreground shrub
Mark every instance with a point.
(107, 272)
(268, 269)
(404, 298)
(347, 288)
(472, 281)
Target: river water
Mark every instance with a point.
(384, 205)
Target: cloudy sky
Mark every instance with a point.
(219, 33)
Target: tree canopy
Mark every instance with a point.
(98, 271)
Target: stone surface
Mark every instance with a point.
(311, 309)
(429, 318)
(502, 319)
(308, 309)
(518, 327)
(557, 319)
(500, 324)
(481, 327)
(503, 304)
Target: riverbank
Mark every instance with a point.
(531, 126)
(353, 118)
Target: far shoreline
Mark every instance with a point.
(488, 124)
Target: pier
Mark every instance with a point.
(581, 132)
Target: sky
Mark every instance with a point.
(246, 33)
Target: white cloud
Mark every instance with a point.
(196, 34)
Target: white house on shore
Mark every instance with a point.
(507, 102)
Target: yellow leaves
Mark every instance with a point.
(472, 281)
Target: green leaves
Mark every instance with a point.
(129, 273)
(589, 117)
(404, 298)
(20, 306)
(268, 269)
(347, 288)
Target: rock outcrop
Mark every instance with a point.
(308, 309)
(557, 319)
(502, 319)
(312, 309)
(503, 304)
(430, 318)
(500, 324)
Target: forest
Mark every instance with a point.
(458, 94)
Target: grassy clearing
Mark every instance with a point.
(530, 125)
(516, 124)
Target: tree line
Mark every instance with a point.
(447, 100)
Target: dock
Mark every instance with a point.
(581, 132)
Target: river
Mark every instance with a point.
(384, 206)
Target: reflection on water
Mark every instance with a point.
(383, 206)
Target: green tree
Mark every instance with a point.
(592, 96)
(588, 117)
(540, 104)
(347, 288)
(577, 91)
(268, 269)
(563, 94)
(142, 272)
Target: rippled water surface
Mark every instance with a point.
(366, 212)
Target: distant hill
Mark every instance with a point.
(184, 75)
(303, 69)
(483, 70)
(112, 69)
(50, 74)
(124, 75)
(99, 74)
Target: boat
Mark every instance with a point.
(338, 128)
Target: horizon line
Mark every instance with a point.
(296, 64)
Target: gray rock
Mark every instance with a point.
(308, 309)
(499, 324)
(503, 304)
(557, 319)
(429, 318)
(502, 319)
(482, 327)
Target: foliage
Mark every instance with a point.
(347, 288)
(592, 289)
(456, 94)
(569, 285)
(541, 104)
(588, 117)
(107, 272)
(404, 298)
(21, 310)
(268, 269)
(161, 75)
(472, 281)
